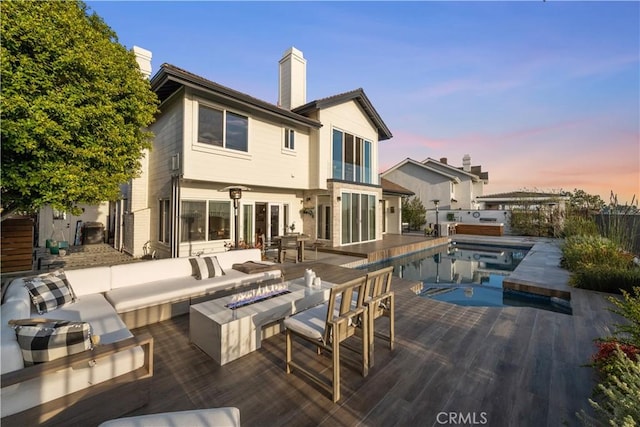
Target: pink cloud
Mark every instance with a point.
(582, 153)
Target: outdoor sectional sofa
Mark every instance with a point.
(112, 300)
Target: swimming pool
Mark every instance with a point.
(470, 275)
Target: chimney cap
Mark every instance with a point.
(293, 51)
(443, 160)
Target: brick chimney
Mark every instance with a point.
(466, 163)
(443, 160)
(143, 57)
(292, 91)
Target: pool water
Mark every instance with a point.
(471, 276)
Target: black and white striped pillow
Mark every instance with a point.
(205, 267)
(49, 291)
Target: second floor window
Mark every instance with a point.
(351, 157)
(222, 128)
(289, 139)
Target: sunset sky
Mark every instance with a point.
(544, 95)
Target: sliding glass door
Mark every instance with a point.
(358, 218)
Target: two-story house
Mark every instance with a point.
(432, 180)
(306, 166)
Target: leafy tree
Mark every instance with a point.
(413, 212)
(74, 107)
(582, 202)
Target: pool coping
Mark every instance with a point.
(539, 272)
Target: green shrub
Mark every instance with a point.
(604, 278)
(582, 250)
(577, 225)
(629, 308)
(619, 394)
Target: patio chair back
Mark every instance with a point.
(327, 326)
(287, 243)
(345, 310)
(380, 302)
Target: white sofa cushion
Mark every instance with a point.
(138, 273)
(17, 291)
(172, 290)
(92, 280)
(11, 354)
(105, 322)
(95, 310)
(227, 259)
(210, 417)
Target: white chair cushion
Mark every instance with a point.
(310, 323)
(212, 417)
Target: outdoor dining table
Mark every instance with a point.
(300, 239)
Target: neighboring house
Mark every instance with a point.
(432, 180)
(309, 166)
(523, 200)
(392, 206)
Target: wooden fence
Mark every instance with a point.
(16, 245)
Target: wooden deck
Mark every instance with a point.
(514, 366)
(392, 245)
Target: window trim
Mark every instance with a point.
(164, 220)
(224, 110)
(361, 173)
(206, 223)
(286, 140)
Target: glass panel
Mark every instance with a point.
(219, 220)
(372, 217)
(355, 213)
(275, 220)
(160, 220)
(237, 134)
(367, 162)
(358, 160)
(167, 221)
(209, 126)
(348, 157)
(346, 220)
(337, 154)
(285, 219)
(247, 225)
(289, 139)
(192, 221)
(364, 218)
(323, 217)
(164, 221)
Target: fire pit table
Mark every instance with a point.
(230, 327)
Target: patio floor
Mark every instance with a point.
(511, 366)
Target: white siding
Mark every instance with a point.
(265, 164)
(65, 229)
(350, 118)
(168, 132)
